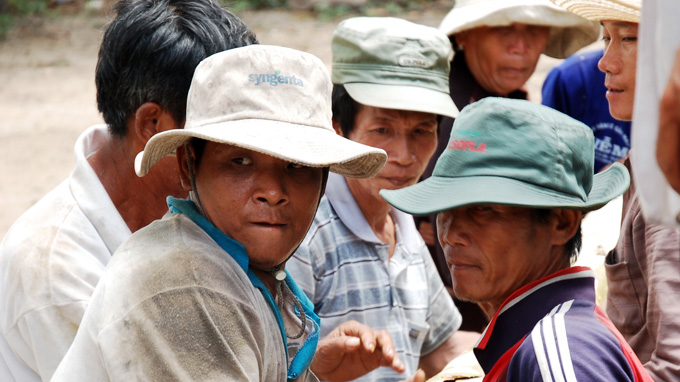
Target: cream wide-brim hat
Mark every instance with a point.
(568, 32)
(269, 99)
(619, 10)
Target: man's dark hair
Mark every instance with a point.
(345, 109)
(573, 246)
(150, 50)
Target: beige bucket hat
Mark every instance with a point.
(620, 10)
(568, 32)
(269, 99)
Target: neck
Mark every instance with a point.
(376, 211)
(559, 263)
(268, 281)
(114, 165)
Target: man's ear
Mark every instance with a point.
(461, 39)
(336, 127)
(146, 123)
(183, 165)
(565, 225)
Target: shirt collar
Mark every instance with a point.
(90, 194)
(231, 246)
(527, 306)
(344, 204)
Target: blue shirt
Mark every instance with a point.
(347, 273)
(576, 88)
(551, 330)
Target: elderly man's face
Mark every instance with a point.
(408, 137)
(503, 58)
(493, 250)
(619, 63)
(264, 203)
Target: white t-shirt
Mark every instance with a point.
(50, 262)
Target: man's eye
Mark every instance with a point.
(242, 161)
(295, 166)
(482, 208)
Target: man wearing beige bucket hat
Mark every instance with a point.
(54, 254)
(497, 44)
(361, 259)
(202, 294)
(509, 209)
(643, 269)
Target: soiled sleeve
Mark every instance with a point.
(187, 334)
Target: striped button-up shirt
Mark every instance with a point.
(347, 273)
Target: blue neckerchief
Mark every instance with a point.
(236, 250)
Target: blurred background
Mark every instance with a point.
(48, 53)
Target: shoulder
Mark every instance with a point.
(51, 248)
(327, 232)
(172, 254)
(572, 342)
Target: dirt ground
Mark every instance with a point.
(47, 92)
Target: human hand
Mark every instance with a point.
(427, 232)
(352, 350)
(419, 376)
(668, 140)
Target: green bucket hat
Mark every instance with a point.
(518, 153)
(394, 64)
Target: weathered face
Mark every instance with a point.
(408, 137)
(503, 58)
(619, 63)
(493, 250)
(262, 202)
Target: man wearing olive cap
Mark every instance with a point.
(361, 259)
(510, 192)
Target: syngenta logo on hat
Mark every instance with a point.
(275, 79)
(417, 61)
(467, 144)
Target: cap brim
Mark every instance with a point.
(437, 194)
(399, 97)
(603, 10)
(305, 145)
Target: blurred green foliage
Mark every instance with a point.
(11, 10)
(330, 10)
(244, 5)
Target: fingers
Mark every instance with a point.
(377, 345)
(419, 376)
(389, 355)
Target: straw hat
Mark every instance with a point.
(568, 32)
(269, 99)
(620, 10)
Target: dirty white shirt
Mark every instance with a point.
(50, 262)
(173, 305)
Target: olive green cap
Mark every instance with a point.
(392, 63)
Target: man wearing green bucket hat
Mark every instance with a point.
(510, 192)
